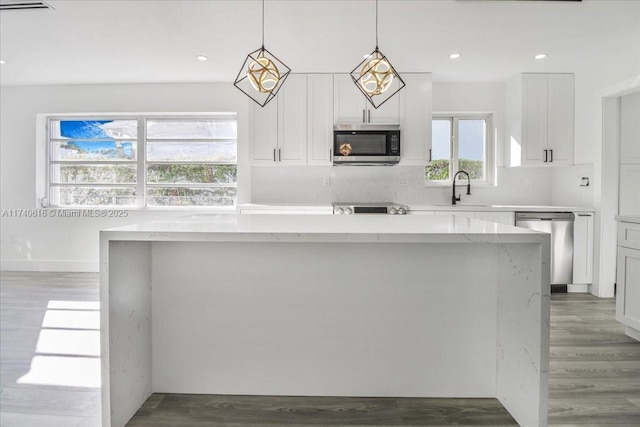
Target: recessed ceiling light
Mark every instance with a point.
(455, 55)
(540, 56)
(2, 62)
(202, 58)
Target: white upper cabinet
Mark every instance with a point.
(540, 110)
(351, 106)
(278, 131)
(296, 128)
(320, 119)
(292, 121)
(415, 118)
(263, 133)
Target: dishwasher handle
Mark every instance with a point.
(545, 216)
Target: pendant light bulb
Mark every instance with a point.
(263, 74)
(376, 75)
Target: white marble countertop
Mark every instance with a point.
(425, 207)
(628, 218)
(500, 208)
(286, 207)
(322, 228)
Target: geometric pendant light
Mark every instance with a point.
(262, 74)
(375, 76)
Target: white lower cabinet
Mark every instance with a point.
(412, 212)
(583, 248)
(506, 218)
(461, 214)
(628, 278)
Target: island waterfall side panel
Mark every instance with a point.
(523, 331)
(125, 297)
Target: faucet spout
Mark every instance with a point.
(455, 198)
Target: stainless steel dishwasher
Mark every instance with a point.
(560, 226)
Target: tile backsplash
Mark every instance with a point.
(402, 184)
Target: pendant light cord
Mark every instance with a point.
(376, 24)
(263, 24)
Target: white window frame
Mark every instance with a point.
(43, 175)
(489, 148)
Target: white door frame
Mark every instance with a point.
(605, 194)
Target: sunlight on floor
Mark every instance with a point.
(63, 371)
(68, 347)
(69, 342)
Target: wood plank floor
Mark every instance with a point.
(49, 366)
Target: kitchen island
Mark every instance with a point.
(381, 305)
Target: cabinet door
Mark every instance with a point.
(583, 248)
(292, 119)
(319, 119)
(507, 218)
(429, 213)
(460, 214)
(534, 118)
(415, 119)
(263, 133)
(387, 113)
(560, 118)
(348, 102)
(629, 196)
(628, 287)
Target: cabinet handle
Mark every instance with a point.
(274, 154)
(364, 120)
(330, 154)
(584, 214)
(545, 155)
(551, 157)
(279, 154)
(429, 155)
(369, 119)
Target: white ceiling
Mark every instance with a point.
(94, 41)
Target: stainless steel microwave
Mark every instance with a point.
(366, 144)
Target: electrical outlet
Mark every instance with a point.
(326, 181)
(403, 180)
(528, 182)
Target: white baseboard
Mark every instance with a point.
(578, 288)
(50, 265)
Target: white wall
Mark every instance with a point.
(71, 244)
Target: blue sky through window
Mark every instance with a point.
(83, 132)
